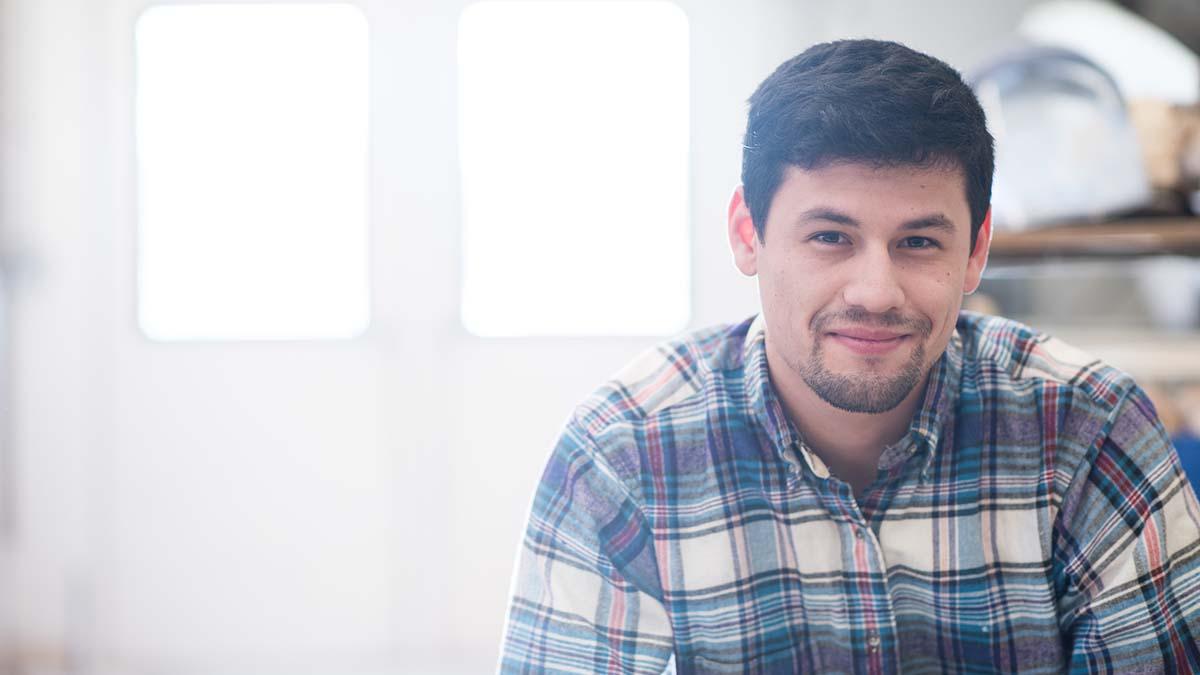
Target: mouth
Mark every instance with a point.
(867, 341)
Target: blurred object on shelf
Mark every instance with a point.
(1190, 161)
(1180, 18)
(1146, 61)
(1170, 140)
(1163, 203)
(1065, 147)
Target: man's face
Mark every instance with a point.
(861, 276)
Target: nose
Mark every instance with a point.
(874, 284)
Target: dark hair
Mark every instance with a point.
(864, 101)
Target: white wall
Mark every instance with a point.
(456, 427)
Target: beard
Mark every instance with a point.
(866, 392)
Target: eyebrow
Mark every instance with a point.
(935, 221)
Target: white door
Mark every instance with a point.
(295, 506)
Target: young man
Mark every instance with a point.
(861, 479)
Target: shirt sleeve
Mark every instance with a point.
(1127, 552)
(586, 596)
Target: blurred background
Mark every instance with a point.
(295, 297)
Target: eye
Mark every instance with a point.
(828, 237)
(919, 242)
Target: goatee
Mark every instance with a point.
(865, 393)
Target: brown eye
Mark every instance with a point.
(828, 237)
(919, 242)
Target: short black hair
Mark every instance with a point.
(867, 101)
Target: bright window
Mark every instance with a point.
(574, 147)
(251, 126)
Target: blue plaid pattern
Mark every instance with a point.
(1035, 519)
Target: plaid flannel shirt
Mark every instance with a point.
(1034, 519)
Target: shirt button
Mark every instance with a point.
(873, 642)
(858, 533)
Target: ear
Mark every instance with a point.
(743, 240)
(978, 259)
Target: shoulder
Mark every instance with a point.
(1073, 403)
(663, 378)
(1084, 414)
(662, 391)
(1002, 356)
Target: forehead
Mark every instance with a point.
(874, 194)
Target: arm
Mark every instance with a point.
(1127, 552)
(586, 595)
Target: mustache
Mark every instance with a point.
(860, 317)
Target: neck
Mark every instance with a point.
(850, 443)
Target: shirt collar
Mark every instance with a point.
(929, 423)
(760, 395)
(936, 414)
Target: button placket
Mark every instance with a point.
(865, 535)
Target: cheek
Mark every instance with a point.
(790, 300)
(941, 295)
(774, 282)
(934, 291)
(779, 301)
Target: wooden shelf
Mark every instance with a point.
(1115, 239)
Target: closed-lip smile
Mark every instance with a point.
(868, 341)
(872, 334)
